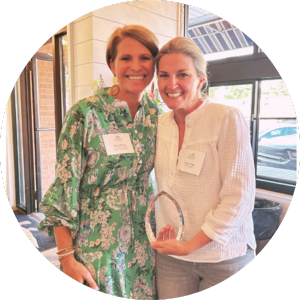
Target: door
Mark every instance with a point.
(39, 108)
(44, 119)
(50, 103)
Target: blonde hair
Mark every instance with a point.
(138, 32)
(189, 48)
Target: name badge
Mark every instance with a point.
(190, 161)
(118, 143)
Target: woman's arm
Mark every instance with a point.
(236, 168)
(166, 243)
(71, 267)
(236, 196)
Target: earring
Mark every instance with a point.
(114, 90)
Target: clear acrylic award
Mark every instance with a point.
(149, 230)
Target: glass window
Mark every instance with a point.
(47, 146)
(276, 127)
(44, 115)
(64, 73)
(216, 37)
(238, 96)
(277, 138)
(21, 199)
(275, 100)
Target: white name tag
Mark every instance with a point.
(190, 161)
(118, 143)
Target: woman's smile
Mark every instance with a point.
(178, 82)
(136, 77)
(174, 95)
(133, 67)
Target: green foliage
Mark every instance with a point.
(236, 92)
(232, 92)
(279, 90)
(212, 91)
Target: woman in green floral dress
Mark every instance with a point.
(98, 202)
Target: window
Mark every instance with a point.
(277, 140)
(239, 96)
(242, 76)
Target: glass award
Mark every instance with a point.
(149, 230)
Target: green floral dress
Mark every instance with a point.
(103, 199)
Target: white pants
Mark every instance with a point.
(178, 278)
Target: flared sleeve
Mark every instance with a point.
(61, 203)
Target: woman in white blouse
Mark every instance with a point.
(204, 160)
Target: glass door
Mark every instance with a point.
(18, 137)
(44, 119)
(50, 102)
(34, 130)
(39, 102)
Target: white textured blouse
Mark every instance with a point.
(220, 200)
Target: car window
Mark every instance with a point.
(274, 133)
(279, 132)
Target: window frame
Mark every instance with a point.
(58, 81)
(272, 185)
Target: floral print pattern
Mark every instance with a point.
(103, 199)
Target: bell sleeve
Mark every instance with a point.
(61, 203)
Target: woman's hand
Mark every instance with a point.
(167, 244)
(70, 265)
(78, 271)
(166, 233)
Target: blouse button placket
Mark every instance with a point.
(173, 158)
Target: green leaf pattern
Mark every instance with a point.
(103, 199)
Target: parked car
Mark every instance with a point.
(278, 130)
(277, 147)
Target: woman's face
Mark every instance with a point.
(133, 66)
(178, 81)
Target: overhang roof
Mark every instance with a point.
(213, 34)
